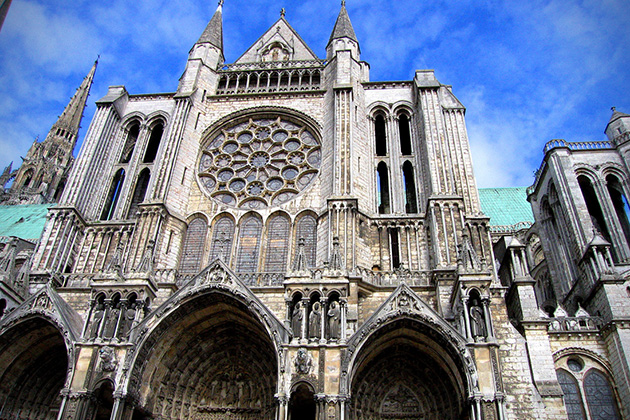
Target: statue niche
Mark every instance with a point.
(296, 319)
(334, 321)
(315, 322)
(478, 328)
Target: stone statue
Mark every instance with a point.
(303, 362)
(477, 322)
(334, 321)
(315, 321)
(97, 318)
(127, 320)
(108, 359)
(296, 320)
(112, 320)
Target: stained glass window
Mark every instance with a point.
(249, 245)
(599, 396)
(222, 238)
(307, 229)
(277, 244)
(193, 246)
(572, 398)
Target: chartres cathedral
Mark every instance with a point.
(284, 239)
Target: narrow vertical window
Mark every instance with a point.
(130, 143)
(277, 244)
(572, 399)
(383, 188)
(139, 192)
(194, 244)
(395, 247)
(405, 134)
(380, 136)
(599, 397)
(222, 238)
(411, 202)
(593, 207)
(249, 245)
(620, 202)
(113, 195)
(307, 229)
(154, 143)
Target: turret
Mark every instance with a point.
(343, 37)
(618, 125)
(206, 56)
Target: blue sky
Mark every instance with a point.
(527, 72)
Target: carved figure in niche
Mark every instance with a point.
(108, 359)
(126, 322)
(315, 321)
(112, 320)
(334, 321)
(97, 318)
(296, 320)
(477, 322)
(303, 362)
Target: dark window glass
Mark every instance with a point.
(599, 396)
(572, 399)
(193, 246)
(395, 247)
(380, 136)
(307, 229)
(154, 143)
(113, 195)
(249, 245)
(130, 144)
(383, 188)
(593, 207)
(277, 244)
(405, 134)
(139, 192)
(411, 202)
(222, 238)
(619, 200)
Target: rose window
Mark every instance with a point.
(259, 162)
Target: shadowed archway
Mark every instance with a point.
(210, 358)
(33, 368)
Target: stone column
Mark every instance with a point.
(343, 303)
(323, 301)
(281, 410)
(486, 313)
(305, 304)
(467, 318)
(287, 320)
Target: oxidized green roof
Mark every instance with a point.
(26, 222)
(506, 206)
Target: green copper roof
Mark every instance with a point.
(26, 222)
(506, 206)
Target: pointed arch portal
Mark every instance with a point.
(406, 370)
(210, 358)
(33, 367)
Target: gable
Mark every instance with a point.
(279, 43)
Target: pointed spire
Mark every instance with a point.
(616, 114)
(70, 119)
(343, 26)
(213, 34)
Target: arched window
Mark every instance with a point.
(222, 238)
(130, 144)
(593, 207)
(154, 143)
(380, 135)
(405, 134)
(599, 396)
(194, 244)
(28, 177)
(619, 200)
(249, 245)
(383, 188)
(572, 398)
(307, 229)
(277, 244)
(113, 195)
(394, 247)
(60, 187)
(411, 202)
(139, 192)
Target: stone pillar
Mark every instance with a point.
(343, 303)
(467, 318)
(323, 301)
(287, 320)
(486, 313)
(305, 305)
(281, 409)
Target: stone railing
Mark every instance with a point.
(394, 278)
(510, 228)
(573, 324)
(270, 80)
(274, 65)
(262, 279)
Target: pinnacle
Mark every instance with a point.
(343, 26)
(213, 34)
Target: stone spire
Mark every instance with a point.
(213, 34)
(343, 26)
(70, 119)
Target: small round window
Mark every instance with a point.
(270, 158)
(575, 364)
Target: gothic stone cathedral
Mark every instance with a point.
(282, 238)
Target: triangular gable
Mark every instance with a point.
(217, 275)
(403, 302)
(289, 46)
(52, 307)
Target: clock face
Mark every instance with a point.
(259, 162)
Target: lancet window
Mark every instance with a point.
(249, 245)
(380, 135)
(405, 134)
(130, 143)
(277, 244)
(620, 202)
(383, 188)
(411, 201)
(593, 206)
(222, 238)
(139, 192)
(154, 143)
(113, 195)
(194, 245)
(307, 229)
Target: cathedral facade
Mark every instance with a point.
(282, 238)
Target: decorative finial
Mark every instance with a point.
(98, 57)
(282, 12)
(220, 3)
(614, 108)
(343, 3)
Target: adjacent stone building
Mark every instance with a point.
(282, 238)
